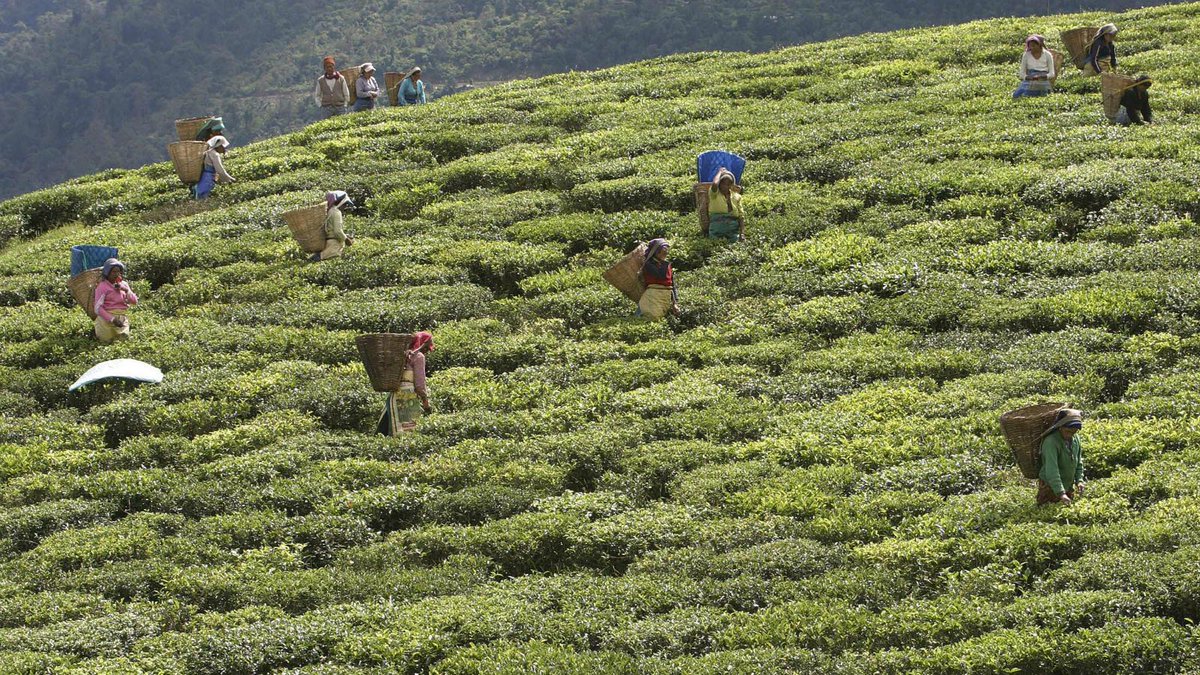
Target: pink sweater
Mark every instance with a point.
(417, 363)
(109, 297)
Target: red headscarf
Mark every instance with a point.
(420, 340)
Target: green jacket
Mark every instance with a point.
(1062, 464)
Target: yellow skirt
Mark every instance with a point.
(656, 301)
(106, 332)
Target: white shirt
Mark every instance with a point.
(1046, 63)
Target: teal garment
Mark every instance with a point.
(1062, 463)
(411, 94)
(213, 126)
(723, 226)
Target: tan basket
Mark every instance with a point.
(701, 192)
(1024, 429)
(624, 275)
(308, 226)
(392, 82)
(1078, 42)
(351, 75)
(384, 355)
(1058, 63)
(1112, 86)
(188, 158)
(83, 289)
(187, 129)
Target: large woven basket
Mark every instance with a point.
(83, 289)
(624, 275)
(384, 355)
(1078, 42)
(188, 158)
(351, 75)
(1112, 86)
(188, 128)
(392, 82)
(308, 227)
(701, 191)
(1058, 63)
(1023, 429)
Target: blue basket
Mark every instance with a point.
(87, 257)
(707, 164)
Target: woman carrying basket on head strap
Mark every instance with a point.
(214, 169)
(336, 239)
(1060, 479)
(1102, 54)
(366, 89)
(412, 89)
(660, 296)
(1037, 69)
(406, 405)
(726, 219)
(112, 301)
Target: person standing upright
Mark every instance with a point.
(412, 89)
(332, 92)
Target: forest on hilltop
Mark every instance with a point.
(803, 472)
(94, 84)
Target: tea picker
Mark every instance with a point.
(395, 362)
(719, 195)
(214, 168)
(1045, 445)
(1038, 69)
(336, 239)
(1132, 95)
(111, 301)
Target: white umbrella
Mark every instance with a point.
(126, 369)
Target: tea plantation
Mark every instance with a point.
(803, 473)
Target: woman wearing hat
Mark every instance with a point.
(1135, 103)
(1037, 68)
(1060, 479)
(366, 88)
(112, 300)
(332, 92)
(214, 169)
(335, 237)
(726, 219)
(660, 296)
(406, 405)
(1102, 55)
(412, 89)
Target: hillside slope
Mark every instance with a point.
(95, 84)
(801, 474)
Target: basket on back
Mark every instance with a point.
(308, 227)
(83, 289)
(351, 74)
(1112, 86)
(1024, 429)
(1058, 62)
(624, 275)
(700, 192)
(188, 158)
(188, 128)
(392, 82)
(1078, 42)
(384, 357)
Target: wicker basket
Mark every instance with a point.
(624, 275)
(1058, 63)
(83, 289)
(1024, 429)
(188, 158)
(351, 75)
(1112, 86)
(701, 191)
(1078, 42)
(188, 128)
(392, 82)
(308, 227)
(384, 355)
